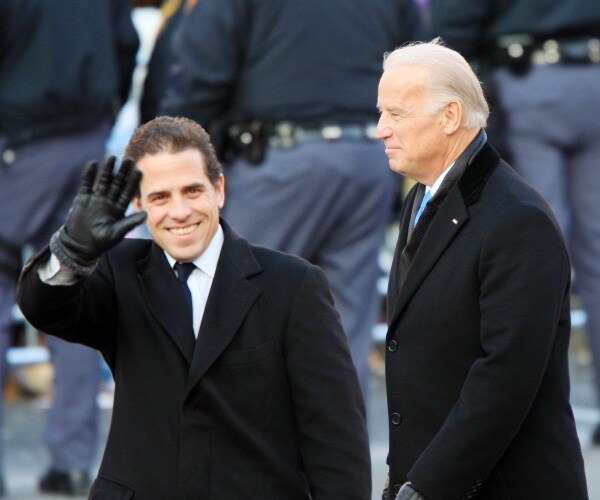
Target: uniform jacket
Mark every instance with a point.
(64, 66)
(476, 361)
(264, 405)
(284, 60)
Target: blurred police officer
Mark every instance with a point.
(65, 67)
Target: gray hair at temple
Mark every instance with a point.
(451, 78)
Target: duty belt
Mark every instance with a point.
(288, 134)
(250, 140)
(519, 52)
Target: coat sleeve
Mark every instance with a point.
(524, 279)
(81, 313)
(330, 411)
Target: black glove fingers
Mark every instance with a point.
(130, 189)
(87, 177)
(96, 221)
(123, 226)
(104, 178)
(118, 181)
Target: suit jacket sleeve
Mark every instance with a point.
(329, 407)
(523, 274)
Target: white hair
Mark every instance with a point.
(450, 78)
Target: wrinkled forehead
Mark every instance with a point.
(401, 86)
(405, 74)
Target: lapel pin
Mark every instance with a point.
(454, 221)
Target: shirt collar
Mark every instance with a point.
(207, 260)
(438, 182)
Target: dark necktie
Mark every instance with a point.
(409, 251)
(183, 270)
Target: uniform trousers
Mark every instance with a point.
(328, 202)
(36, 191)
(553, 132)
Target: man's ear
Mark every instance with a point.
(220, 190)
(452, 116)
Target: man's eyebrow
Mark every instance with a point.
(155, 193)
(391, 108)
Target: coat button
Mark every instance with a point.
(396, 418)
(393, 346)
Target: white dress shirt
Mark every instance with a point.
(201, 278)
(438, 182)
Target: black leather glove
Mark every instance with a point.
(96, 221)
(407, 492)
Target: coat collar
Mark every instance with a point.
(230, 298)
(165, 299)
(463, 187)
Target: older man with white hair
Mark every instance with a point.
(478, 302)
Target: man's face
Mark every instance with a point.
(181, 202)
(415, 142)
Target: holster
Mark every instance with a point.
(514, 52)
(250, 140)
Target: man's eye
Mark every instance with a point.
(158, 198)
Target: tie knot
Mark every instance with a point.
(183, 270)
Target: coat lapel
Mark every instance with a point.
(165, 299)
(451, 216)
(474, 167)
(231, 296)
(404, 230)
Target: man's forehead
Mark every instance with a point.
(398, 96)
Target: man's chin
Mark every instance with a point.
(181, 253)
(396, 167)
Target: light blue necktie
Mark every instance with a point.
(424, 202)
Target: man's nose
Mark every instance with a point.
(179, 209)
(382, 131)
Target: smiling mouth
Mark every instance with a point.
(183, 230)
